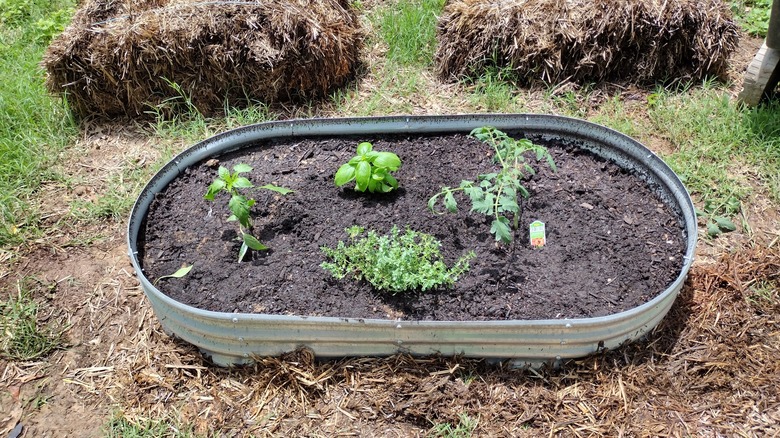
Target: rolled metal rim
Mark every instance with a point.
(235, 338)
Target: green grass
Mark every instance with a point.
(22, 335)
(494, 91)
(463, 429)
(408, 28)
(121, 427)
(720, 147)
(34, 127)
(394, 94)
(178, 118)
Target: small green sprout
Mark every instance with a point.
(495, 194)
(370, 170)
(395, 262)
(239, 204)
(184, 270)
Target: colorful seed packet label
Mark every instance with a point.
(538, 237)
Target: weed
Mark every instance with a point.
(395, 262)
(370, 170)
(22, 337)
(763, 292)
(239, 205)
(464, 429)
(716, 225)
(495, 194)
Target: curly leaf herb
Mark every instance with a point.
(395, 262)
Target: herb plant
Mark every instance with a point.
(239, 205)
(370, 170)
(395, 262)
(495, 194)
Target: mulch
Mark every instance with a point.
(709, 368)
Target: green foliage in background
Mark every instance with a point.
(34, 127)
(753, 15)
(720, 146)
(408, 28)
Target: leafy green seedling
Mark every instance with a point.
(717, 224)
(495, 194)
(239, 204)
(184, 270)
(370, 170)
(395, 262)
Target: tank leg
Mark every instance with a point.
(761, 76)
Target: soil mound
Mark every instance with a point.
(124, 57)
(552, 41)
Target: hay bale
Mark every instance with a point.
(642, 41)
(121, 57)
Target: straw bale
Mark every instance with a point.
(582, 41)
(122, 57)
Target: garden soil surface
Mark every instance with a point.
(612, 243)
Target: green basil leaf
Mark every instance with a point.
(223, 172)
(391, 181)
(364, 148)
(387, 160)
(345, 174)
(362, 175)
(374, 185)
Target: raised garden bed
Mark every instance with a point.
(620, 237)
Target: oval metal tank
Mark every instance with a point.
(235, 338)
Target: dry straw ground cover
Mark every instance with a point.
(709, 369)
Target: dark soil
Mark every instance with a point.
(612, 244)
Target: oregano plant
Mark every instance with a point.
(496, 194)
(396, 262)
(240, 205)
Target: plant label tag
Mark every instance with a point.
(536, 231)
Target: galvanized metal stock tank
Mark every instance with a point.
(234, 338)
